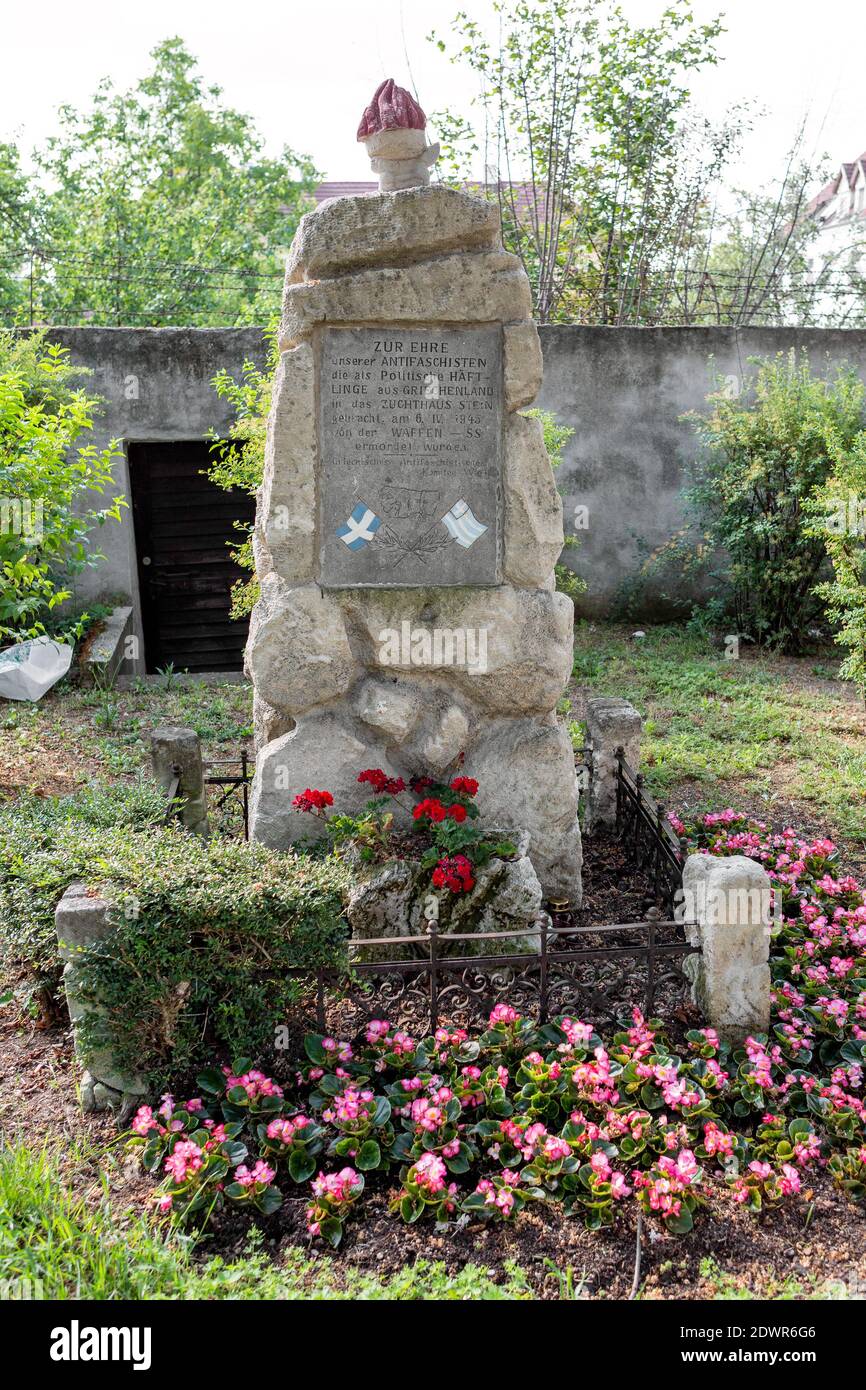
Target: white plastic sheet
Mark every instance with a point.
(28, 669)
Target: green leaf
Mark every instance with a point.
(314, 1050)
(269, 1201)
(301, 1165)
(212, 1081)
(679, 1225)
(332, 1230)
(369, 1156)
(382, 1112)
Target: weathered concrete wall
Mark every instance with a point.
(623, 390)
(155, 383)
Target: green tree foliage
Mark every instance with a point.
(239, 461)
(47, 482)
(838, 514)
(765, 455)
(599, 168)
(157, 205)
(15, 234)
(769, 263)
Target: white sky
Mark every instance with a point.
(306, 68)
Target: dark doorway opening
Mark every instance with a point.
(183, 524)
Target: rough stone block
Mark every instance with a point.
(268, 723)
(611, 723)
(82, 918)
(533, 507)
(731, 900)
(298, 653)
(346, 234)
(523, 364)
(393, 900)
(322, 752)
(507, 650)
(388, 707)
(483, 286)
(176, 752)
(447, 738)
(287, 502)
(527, 782)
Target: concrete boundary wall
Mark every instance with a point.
(623, 390)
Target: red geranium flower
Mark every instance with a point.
(381, 782)
(467, 785)
(312, 800)
(375, 776)
(457, 812)
(431, 808)
(454, 873)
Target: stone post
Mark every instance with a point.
(408, 524)
(82, 918)
(610, 724)
(731, 901)
(176, 753)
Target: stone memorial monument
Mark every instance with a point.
(408, 523)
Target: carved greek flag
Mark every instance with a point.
(360, 528)
(463, 525)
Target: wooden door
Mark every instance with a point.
(183, 524)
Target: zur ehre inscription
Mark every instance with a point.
(410, 432)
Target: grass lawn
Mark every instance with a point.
(780, 737)
(73, 736)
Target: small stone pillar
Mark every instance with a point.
(730, 900)
(82, 918)
(611, 723)
(176, 753)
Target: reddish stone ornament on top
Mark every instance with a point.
(392, 128)
(392, 108)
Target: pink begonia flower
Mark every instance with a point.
(619, 1188)
(144, 1121)
(429, 1173)
(555, 1149)
(185, 1159)
(335, 1185)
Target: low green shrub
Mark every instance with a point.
(207, 930)
(207, 933)
(763, 455)
(46, 843)
(838, 517)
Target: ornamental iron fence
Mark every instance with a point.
(234, 789)
(597, 972)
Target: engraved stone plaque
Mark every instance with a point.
(410, 456)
